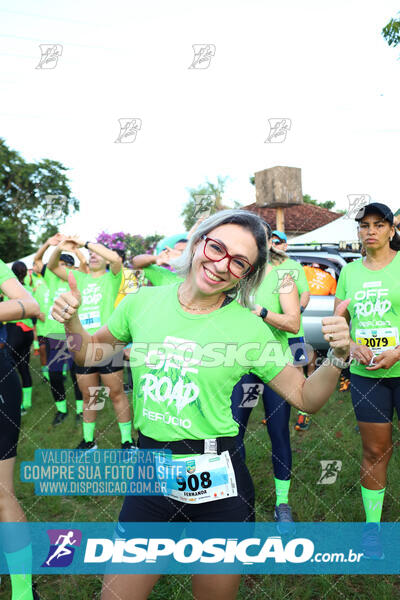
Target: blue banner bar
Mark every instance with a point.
(96, 548)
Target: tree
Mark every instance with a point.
(391, 32)
(327, 204)
(33, 196)
(206, 199)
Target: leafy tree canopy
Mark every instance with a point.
(391, 32)
(35, 199)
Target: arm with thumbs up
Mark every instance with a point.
(309, 395)
(87, 350)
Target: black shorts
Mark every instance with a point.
(10, 407)
(162, 509)
(102, 370)
(374, 400)
(299, 351)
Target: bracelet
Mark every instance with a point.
(23, 308)
(86, 245)
(263, 312)
(337, 362)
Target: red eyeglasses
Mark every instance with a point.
(239, 267)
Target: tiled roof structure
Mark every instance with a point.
(299, 218)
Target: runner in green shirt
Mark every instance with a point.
(278, 294)
(152, 264)
(372, 283)
(296, 341)
(20, 340)
(98, 289)
(192, 342)
(20, 305)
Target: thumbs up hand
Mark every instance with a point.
(66, 305)
(336, 330)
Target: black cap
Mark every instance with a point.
(67, 258)
(373, 208)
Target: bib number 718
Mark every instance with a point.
(193, 483)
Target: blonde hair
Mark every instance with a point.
(245, 288)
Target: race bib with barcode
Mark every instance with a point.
(205, 478)
(379, 339)
(90, 319)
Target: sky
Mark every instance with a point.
(322, 65)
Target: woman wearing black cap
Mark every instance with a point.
(372, 284)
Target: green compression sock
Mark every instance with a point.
(373, 502)
(88, 431)
(45, 372)
(79, 407)
(300, 412)
(21, 585)
(282, 491)
(126, 431)
(26, 397)
(62, 406)
(35, 345)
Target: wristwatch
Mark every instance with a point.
(86, 245)
(337, 362)
(263, 312)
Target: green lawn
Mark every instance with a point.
(332, 436)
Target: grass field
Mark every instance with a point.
(332, 436)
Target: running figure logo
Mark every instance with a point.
(278, 129)
(50, 55)
(98, 396)
(330, 470)
(286, 279)
(128, 130)
(251, 392)
(203, 203)
(356, 203)
(62, 547)
(203, 54)
(55, 207)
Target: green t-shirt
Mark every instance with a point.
(56, 286)
(160, 275)
(173, 399)
(268, 295)
(41, 294)
(374, 309)
(5, 273)
(295, 269)
(98, 298)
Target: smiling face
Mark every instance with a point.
(213, 277)
(375, 232)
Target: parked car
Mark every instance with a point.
(320, 306)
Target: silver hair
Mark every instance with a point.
(244, 291)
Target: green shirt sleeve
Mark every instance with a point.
(302, 282)
(118, 322)
(341, 286)
(159, 275)
(5, 273)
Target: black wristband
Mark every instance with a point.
(302, 309)
(263, 312)
(86, 245)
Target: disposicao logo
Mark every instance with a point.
(62, 547)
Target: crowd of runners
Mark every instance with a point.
(229, 284)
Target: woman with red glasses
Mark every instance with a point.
(182, 400)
